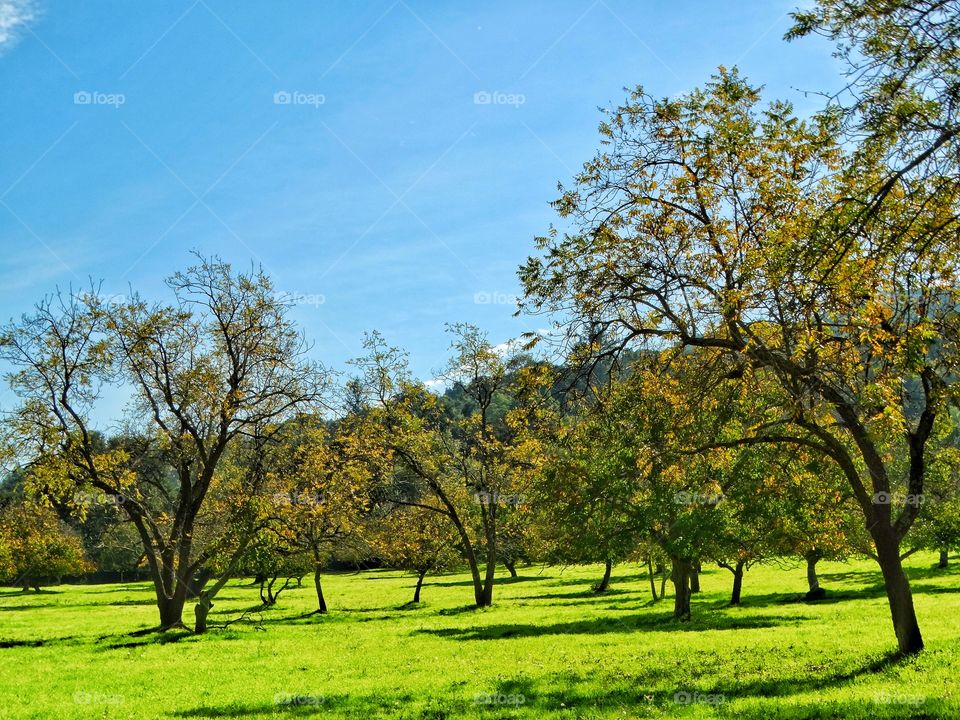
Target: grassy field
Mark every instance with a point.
(548, 648)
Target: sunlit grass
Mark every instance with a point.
(548, 648)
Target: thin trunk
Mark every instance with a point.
(416, 593)
(321, 603)
(695, 577)
(653, 585)
(899, 596)
(663, 582)
(682, 568)
(605, 582)
(944, 558)
(737, 583)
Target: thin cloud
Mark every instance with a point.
(14, 14)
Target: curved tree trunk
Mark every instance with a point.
(416, 593)
(899, 596)
(511, 567)
(682, 568)
(605, 582)
(321, 603)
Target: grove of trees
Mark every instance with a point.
(753, 357)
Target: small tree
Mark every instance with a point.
(416, 539)
(39, 546)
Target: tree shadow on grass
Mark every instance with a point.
(659, 622)
(572, 695)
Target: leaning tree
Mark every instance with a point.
(712, 221)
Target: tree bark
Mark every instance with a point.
(416, 593)
(653, 585)
(944, 558)
(321, 603)
(605, 582)
(682, 568)
(200, 611)
(737, 583)
(695, 577)
(511, 567)
(899, 596)
(813, 557)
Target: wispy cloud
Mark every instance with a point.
(14, 14)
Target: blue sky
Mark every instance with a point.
(385, 194)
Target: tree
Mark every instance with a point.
(325, 475)
(472, 469)
(711, 222)
(415, 539)
(222, 362)
(36, 546)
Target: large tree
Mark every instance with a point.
(219, 364)
(711, 221)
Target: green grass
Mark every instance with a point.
(69, 652)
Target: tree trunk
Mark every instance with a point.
(605, 582)
(695, 577)
(511, 566)
(944, 559)
(663, 583)
(321, 603)
(200, 611)
(899, 596)
(171, 609)
(416, 593)
(486, 597)
(682, 568)
(813, 557)
(737, 583)
(653, 585)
